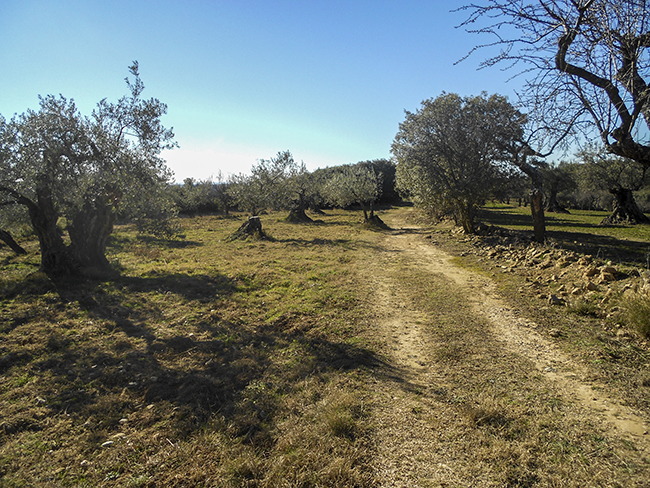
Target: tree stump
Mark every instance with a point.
(252, 228)
(298, 216)
(376, 223)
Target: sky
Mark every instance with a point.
(327, 80)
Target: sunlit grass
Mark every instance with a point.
(201, 349)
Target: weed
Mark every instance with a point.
(638, 314)
(582, 307)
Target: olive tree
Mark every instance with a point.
(452, 152)
(558, 178)
(57, 163)
(266, 186)
(202, 196)
(354, 184)
(586, 64)
(620, 177)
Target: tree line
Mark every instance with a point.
(281, 183)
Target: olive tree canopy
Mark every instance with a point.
(57, 163)
(454, 150)
(354, 184)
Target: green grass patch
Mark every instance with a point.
(190, 363)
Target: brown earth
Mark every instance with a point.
(424, 436)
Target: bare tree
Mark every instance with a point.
(587, 62)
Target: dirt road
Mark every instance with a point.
(487, 405)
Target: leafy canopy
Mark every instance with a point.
(454, 150)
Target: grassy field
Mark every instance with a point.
(254, 363)
(224, 363)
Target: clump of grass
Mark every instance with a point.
(638, 314)
(583, 307)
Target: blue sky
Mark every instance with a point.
(327, 80)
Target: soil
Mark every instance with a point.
(406, 422)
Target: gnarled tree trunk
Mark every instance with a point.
(251, 228)
(626, 211)
(537, 210)
(298, 215)
(55, 257)
(89, 233)
(553, 205)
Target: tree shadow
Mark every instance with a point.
(604, 247)
(601, 246)
(316, 242)
(196, 375)
(505, 219)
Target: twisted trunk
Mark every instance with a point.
(626, 211)
(537, 211)
(89, 233)
(55, 257)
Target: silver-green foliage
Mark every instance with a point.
(354, 184)
(58, 163)
(278, 183)
(454, 150)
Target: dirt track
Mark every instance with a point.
(410, 441)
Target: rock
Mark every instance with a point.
(593, 271)
(607, 277)
(108, 444)
(608, 269)
(591, 286)
(555, 300)
(576, 292)
(623, 334)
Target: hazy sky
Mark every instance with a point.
(327, 80)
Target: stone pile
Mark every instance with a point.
(562, 277)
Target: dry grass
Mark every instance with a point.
(206, 363)
(506, 424)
